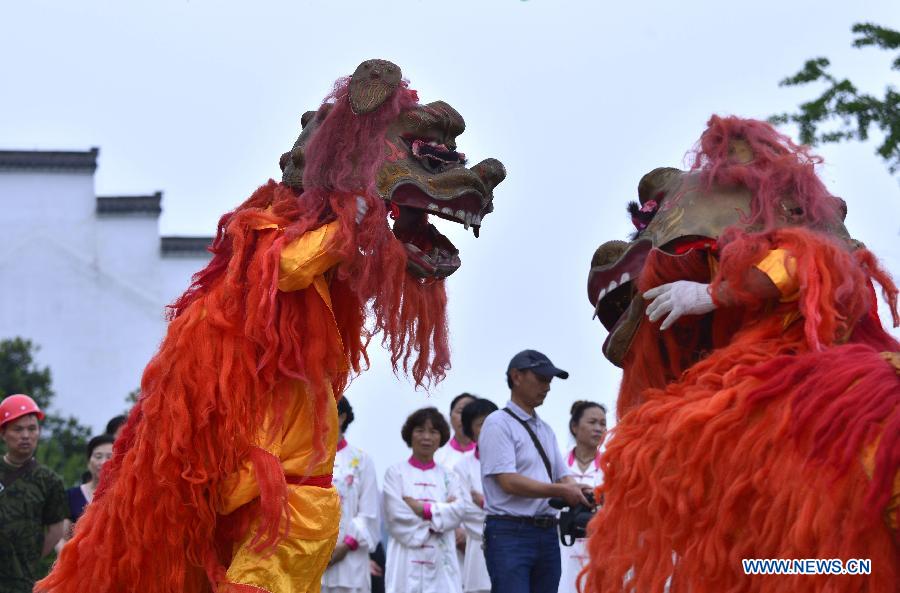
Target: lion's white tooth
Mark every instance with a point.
(612, 286)
(476, 219)
(461, 215)
(433, 206)
(447, 211)
(601, 295)
(625, 278)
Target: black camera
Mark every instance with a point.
(573, 520)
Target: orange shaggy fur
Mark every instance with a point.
(756, 451)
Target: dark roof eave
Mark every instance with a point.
(49, 160)
(128, 205)
(185, 246)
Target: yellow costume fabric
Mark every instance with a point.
(297, 562)
(782, 271)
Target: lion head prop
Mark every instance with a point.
(370, 153)
(745, 177)
(420, 170)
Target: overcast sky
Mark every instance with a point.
(579, 98)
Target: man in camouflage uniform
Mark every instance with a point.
(32, 497)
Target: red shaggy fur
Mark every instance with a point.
(237, 349)
(755, 452)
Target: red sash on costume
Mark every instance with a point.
(323, 481)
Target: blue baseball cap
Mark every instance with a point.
(536, 362)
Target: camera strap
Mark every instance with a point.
(534, 438)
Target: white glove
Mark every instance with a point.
(678, 298)
(361, 208)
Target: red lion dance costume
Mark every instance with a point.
(221, 480)
(761, 419)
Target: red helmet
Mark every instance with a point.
(16, 406)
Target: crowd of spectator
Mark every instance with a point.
(466, 512)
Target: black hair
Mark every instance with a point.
(100, 439)
(114, 424)
(456, 399)
(344, 407)
(419, 418)
(578, 410)
(473, 411)
(509, 381)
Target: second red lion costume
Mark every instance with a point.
(765, 422)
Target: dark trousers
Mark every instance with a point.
(378, 557)
(521, 558)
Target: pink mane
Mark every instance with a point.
(347, 150)
(779, 169)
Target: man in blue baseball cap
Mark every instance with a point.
(534, 361)
(521, 468)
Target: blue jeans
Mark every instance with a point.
(521, 558)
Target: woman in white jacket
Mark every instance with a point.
(423, 504)
(475, 574)
(459, 447)
(588, 425)
(354, 478)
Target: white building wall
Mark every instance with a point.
(89, 289)
(128, 249)
(58, 205)
(176, 272)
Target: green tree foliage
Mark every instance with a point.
(19, 374)
(856, 112)
(63, 440)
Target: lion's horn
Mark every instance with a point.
(371, 85)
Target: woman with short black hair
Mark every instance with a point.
(458, 447)
(459, 444)
(423, 504)
(475, 574)
(354, 478)
(99, 450)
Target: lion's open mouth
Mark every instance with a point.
(612, 285)
(431, 254)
